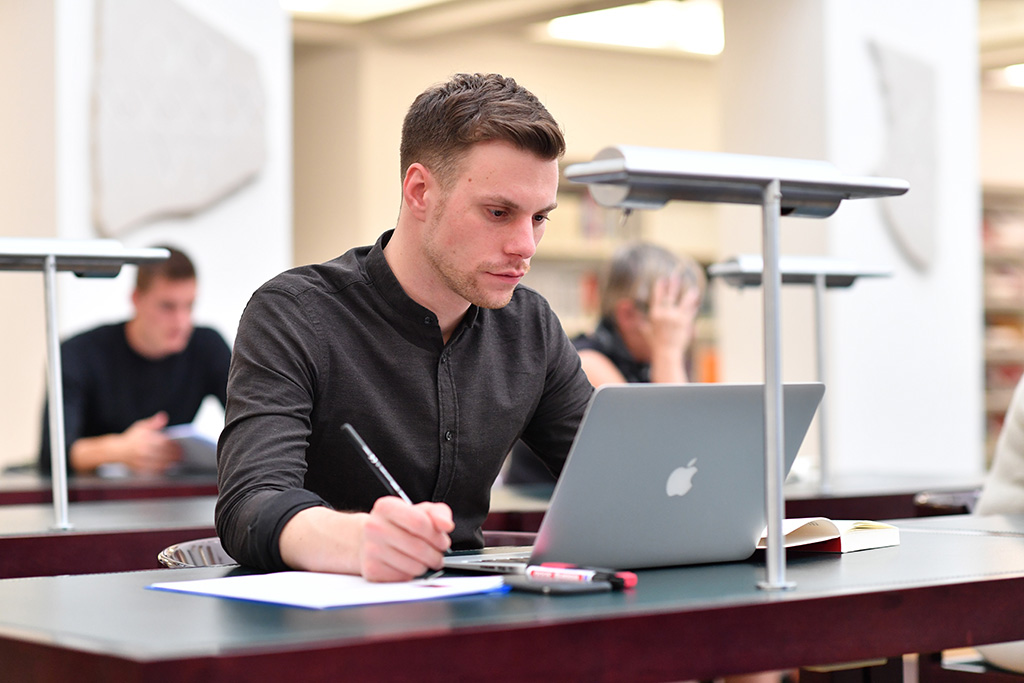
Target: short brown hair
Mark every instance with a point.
(177, 266)
(447, 119)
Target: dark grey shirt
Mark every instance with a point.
(340, 342)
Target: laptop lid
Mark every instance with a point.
(667, 474)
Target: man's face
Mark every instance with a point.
(163, 316)
(483, 231)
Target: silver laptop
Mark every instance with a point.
(661, 475)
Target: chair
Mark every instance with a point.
(202, 552)
(965, 666)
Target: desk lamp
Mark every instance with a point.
(745, 270)
(85, 258)
(630, 177)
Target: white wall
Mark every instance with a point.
(236, 244)
(27, 193)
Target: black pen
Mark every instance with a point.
(378, 467)
(385, 478)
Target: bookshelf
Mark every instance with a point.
(1003, 273)
(582, 236)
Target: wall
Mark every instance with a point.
(237, 244)
(28, 195)
(601, 98)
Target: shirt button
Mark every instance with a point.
(448, 435)
(428, 320)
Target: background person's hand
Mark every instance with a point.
(145, 449)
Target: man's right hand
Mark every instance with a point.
(401, 541)
(395, 541)
(146, 449)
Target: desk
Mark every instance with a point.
(30, 488)
(935, 591)
(107, 536)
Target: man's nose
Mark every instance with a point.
(524, 239)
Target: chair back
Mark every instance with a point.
(202, 552)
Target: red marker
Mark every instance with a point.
(552, 571)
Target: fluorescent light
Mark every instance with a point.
(1014, 75)
(693, 26)
(353, 10)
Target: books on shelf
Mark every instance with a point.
(823, 535)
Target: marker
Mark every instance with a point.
(385, 478)
(378, 467)
(563, 572)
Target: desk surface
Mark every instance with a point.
(26, 488)
(109, 515)
(936, 590)
(109, 535)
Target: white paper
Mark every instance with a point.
(315, 590)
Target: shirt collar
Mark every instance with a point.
(383, 278)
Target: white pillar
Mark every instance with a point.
(877, 88)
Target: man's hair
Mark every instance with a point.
(635, 268)
(449, 118)
(177, 266)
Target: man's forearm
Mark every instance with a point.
(323, 540)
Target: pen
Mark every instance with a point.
(385, 477)
(559, 572)
(378, 467)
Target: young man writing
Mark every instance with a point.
(423, 342)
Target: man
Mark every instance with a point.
(650, 298)
(123, 383)
(422, 342)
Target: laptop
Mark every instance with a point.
(660, 475)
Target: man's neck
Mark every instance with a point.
(421, 285)
(136, 342)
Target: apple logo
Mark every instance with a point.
(681, 480)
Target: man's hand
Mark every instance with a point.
(146, 449)
(143, 447)
(395, 541)
(401, 541)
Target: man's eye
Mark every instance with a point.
(498, 213)
(540, 218)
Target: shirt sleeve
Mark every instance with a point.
(261, 453)
(218, 356)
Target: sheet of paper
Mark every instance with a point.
(315, 590)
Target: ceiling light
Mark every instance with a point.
(693, 26)
(353, 10)
(1014, 75)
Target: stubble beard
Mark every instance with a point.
(460, 282)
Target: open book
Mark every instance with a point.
(823, 535)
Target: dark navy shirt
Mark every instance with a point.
(108, 386)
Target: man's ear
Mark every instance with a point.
(418, 189)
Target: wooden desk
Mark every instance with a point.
(108, 536)
(31, 488)
(936, 590)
